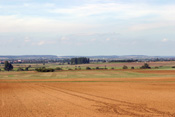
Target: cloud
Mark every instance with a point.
(36, 5)
(91, 9)
(15, 23)
(108, 39)
(64, 38)
(119, 10)
(93, 39)
(89, 17)
(147, 26)
(165, 40)
(41, 43)
(27, 39)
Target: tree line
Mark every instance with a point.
(81, 60)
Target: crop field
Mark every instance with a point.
(85, 93)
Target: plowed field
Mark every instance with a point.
(86, 97)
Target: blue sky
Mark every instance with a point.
(87, 27)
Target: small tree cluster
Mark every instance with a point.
(81, 60)
(43, 69)
(132, 68)
(88, 68)
(145, 66)
(27, 68)
(97, 68)
(125, 67)
(8, 66)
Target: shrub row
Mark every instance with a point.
(43, 69)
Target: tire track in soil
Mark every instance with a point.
(32, 106)
(2, 100)
(139, 107)
(12, 103)
(20, 103)
(56, 98)
(121, 108)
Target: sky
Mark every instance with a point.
(87, 27)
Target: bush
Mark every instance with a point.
(20, 69)
(145, 66)
(79, 68)
(132, 68)
(97, 68)
(125, 67)
(173, 66)
(156, 67)
(88, 68)
(43, 69)
(27, 69)
(58, 68)
(112, 68)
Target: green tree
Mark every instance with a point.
(125, 67)
(132, 68)
(145, 66)
(88, 68)
(27, 69)
(8, 66)
(81, 60)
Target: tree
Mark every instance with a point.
(97, 68)
(145, 66)
(125, 67)
(27, 69)
(8, 66)
(132, 68)
(88, 68)
(81, 60)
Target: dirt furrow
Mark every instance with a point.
(118, 107)
(55, 99)
(12, 104)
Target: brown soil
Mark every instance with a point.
(131, 97)
(160, 72)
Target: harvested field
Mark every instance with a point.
(21, 95)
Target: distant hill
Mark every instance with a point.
(122, 57)
(112, 57)
(28, 57)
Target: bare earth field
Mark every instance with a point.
(31, 94)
